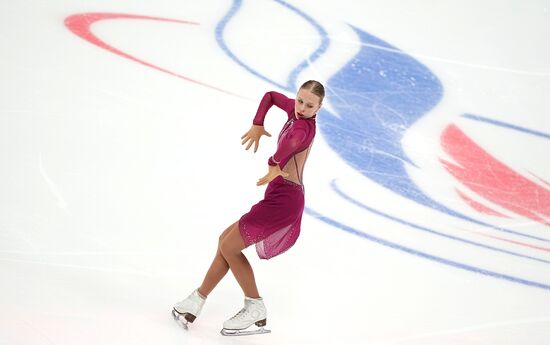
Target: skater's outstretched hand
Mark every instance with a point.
(273, 172)
(253, 136)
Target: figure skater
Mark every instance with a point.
(273, 224)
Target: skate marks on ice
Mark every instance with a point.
(478, 330)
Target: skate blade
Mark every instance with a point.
(180, 319)
(237, 332)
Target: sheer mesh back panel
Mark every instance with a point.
(295, 166)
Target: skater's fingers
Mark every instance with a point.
(249, 144)
(266, 133)
(256, 146)
(262, 180)
(247, 140)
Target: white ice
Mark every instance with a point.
(117, 178)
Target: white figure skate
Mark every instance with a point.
(188, 310)
(253, 313)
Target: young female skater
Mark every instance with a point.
(273, 224)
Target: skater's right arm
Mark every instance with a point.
(270, 99)
(257, 130)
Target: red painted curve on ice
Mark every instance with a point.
(479, 206)
(80, 24)
(523, 244)
(493, 180)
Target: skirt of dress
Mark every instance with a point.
(273, 224)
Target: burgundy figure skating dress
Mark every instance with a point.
(273, 224)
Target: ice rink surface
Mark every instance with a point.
(427, 190)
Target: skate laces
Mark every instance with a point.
(241, 312)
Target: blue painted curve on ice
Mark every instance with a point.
(348, 198)
(424, 255)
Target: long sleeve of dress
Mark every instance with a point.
(273, 98)
(291, 140)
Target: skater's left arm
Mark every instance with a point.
(273, 171)
(287, 146)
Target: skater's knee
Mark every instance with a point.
(224, 234)
(226, 248)
(230, 247)
(231, 242)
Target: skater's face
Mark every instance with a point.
(307, 104)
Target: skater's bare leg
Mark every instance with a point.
(218, 269)
(187, 310)
(230, 248)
